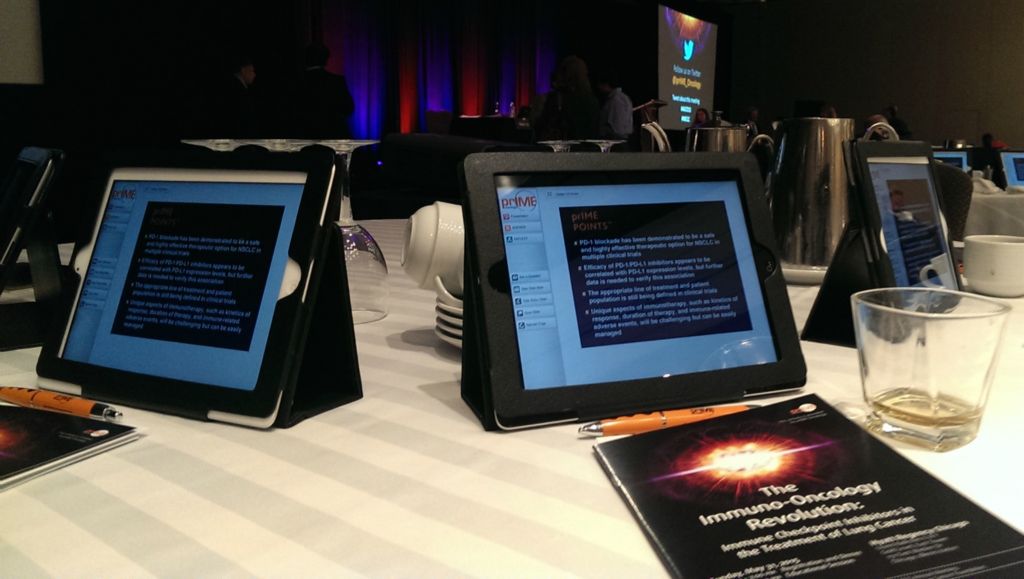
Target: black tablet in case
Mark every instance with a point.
(26, 225)
(211, 286)
(895, 236)
(600, 285)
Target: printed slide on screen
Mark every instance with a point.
(653, 272)
(198, 272)
(686, 67)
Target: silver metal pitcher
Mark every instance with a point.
(717, 139)
(807, 189)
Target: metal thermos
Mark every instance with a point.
(717, 139)
(716, 136)
(808, 187)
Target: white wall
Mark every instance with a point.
(21, 55)
(954, 67)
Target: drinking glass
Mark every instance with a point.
(364, 260)
(559, 146)
(605, 144)
(927, 359)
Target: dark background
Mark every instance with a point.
(137, 73)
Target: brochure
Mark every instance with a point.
(35, 442)
(795, 489)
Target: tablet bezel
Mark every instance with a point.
(862, 152)
(256, 407)
(1010, 154)
(939, 154)
(516, 407)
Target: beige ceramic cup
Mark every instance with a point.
(994, 265)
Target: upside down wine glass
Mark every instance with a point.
(605, 144)
(364, 261)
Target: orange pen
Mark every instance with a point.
(638, 423)
(57, 402)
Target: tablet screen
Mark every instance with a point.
(185, 272)
(616, 282)
(1013, 166)
(910, 221)
(957, 159)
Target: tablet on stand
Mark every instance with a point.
(26, 224)
(212, 287)
(895, 237)
(604, 285)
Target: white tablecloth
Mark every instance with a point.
(403, 482)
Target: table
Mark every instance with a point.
(998, 214)
(403, 482)
(495, 128)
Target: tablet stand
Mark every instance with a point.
(831, 317)
(326, 362)
(476, 383)
(24, 325)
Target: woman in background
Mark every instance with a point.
(570, 109)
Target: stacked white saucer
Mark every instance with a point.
(448, 324)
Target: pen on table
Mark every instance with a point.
(638, 423)
(58, 402)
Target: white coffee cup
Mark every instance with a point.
(938, 267)
(994, 265)
(435, 245)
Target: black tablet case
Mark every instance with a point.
(24, 325)
(319, 367)
(854, 268)
(476, 386)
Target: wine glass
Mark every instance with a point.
(559, 146)
(364, 260)
(605, 144)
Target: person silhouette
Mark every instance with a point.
(325, 104)
(570, 109)
(233, 110)
(615, 118)
(701, 118)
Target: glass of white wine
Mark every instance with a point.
(927, 360)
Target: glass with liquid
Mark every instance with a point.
(927, 359)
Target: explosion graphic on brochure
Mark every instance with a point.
(738, 464)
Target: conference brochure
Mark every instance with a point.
(795, 489)
(35, 442)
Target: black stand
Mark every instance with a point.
(831, 318)
(476, 381)
(24, 325)
(327, 367)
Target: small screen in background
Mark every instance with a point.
(1013, 167)
(911, 222)
(184, 278)
(957, 159)
(627, 281)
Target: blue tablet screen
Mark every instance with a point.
(184, 277)
(616, 282)
(911, 222)
(957, 159)
(1013, 166)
